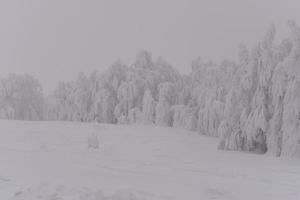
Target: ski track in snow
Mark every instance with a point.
(51, 161)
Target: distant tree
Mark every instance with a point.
(148, 112)
(164, 115)
(21, 98)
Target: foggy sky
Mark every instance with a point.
(53, 40)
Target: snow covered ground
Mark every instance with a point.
(52, 161)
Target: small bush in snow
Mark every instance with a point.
(93, 142)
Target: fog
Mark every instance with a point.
(54, 40)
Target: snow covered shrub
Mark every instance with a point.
(259, 144)
(239, 141)
(93, 141)
(123, 119)
(184, 117)
(164, 114)
(190, 119)
(134, 116)
(210, 117)
(231, 137)
(7, 112)
(223, 132)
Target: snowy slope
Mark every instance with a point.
(51, 160)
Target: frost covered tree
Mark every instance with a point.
(148, 113)
(210, 84)
(184, 117)
(267, 120)
(105, 94)
(21, 98)
(290, 139)
(82, 98)
(251, 105)
(164, 112)
(62, 101)
(247, 107)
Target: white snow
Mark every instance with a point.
(52, 161)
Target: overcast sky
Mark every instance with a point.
(55, 39)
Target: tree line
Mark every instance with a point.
(251, 105)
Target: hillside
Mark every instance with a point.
(51, 160)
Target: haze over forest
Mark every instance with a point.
(55, 40)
